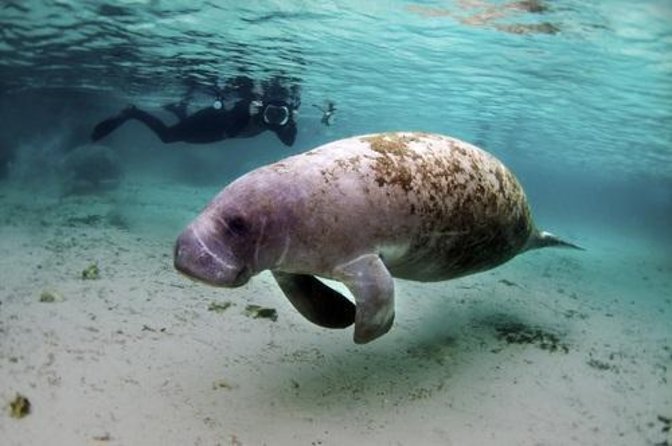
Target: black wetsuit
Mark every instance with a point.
(205, 126)
(244, 125)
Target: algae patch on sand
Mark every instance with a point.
(19, 407)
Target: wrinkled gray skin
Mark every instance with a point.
(362, 210)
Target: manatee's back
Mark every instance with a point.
(472, 211)
(433, 207)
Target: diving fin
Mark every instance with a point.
(104, 128)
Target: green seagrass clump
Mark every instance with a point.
(19, 407)
(259, 312)
(91, 272)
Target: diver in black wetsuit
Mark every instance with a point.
(248, 117)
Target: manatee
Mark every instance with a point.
(362, 210)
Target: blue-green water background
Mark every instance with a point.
(582, 115)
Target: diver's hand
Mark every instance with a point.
(254, 107)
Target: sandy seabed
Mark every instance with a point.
(557, 347)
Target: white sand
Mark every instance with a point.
(136, 358)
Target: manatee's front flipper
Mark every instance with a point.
(316, 301)
(371, 283)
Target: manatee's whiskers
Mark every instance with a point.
(259, 241)
(211, 253)
(285, 249)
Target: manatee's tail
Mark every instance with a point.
(543, 239)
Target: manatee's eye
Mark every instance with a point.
(237, 224)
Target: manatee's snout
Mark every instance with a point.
(206, 259)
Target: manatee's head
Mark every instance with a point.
(244, 230)
(218, 248)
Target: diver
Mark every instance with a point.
(250, 116)
(327, 112)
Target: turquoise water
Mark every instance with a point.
(591, 100)
(575, 99)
